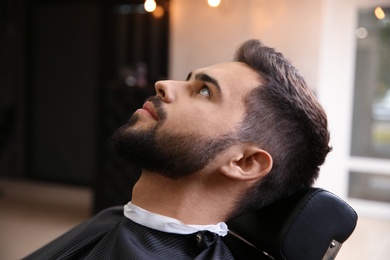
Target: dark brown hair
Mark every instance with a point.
(284, 118)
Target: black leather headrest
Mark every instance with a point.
(299, 227)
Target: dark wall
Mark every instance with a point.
(64, 91)
(71, 72)
(13, 82)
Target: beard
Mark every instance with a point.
(172, 155)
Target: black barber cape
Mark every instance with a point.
(110, 235)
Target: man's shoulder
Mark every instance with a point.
(108, 216)
(99, 224)
(76, 241)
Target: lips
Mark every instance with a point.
(148, 106)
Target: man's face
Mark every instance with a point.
(188, 123)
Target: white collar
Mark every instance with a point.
(167, 224)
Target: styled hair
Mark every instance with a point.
(284, 118)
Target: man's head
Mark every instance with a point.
(255, 113)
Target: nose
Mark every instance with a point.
(165, 90)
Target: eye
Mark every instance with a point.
(205, 91)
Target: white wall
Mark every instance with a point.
(335, 88)
(202, 36)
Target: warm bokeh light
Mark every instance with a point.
(150, 5)
(214, 3)
(159, 12)
(361, 32)
(379, 13)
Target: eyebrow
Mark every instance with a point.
(206, 78)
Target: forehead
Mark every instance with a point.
(234, 78)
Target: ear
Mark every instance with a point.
(248, 163)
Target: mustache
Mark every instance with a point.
(158, 105)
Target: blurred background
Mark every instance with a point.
(73, 71)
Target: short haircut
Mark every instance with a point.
(284, 118)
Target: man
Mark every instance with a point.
(231, 138)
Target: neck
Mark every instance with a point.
(188, 199)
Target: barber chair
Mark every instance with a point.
(310, 225)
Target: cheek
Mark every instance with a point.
(192, 122)
(209, 122)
